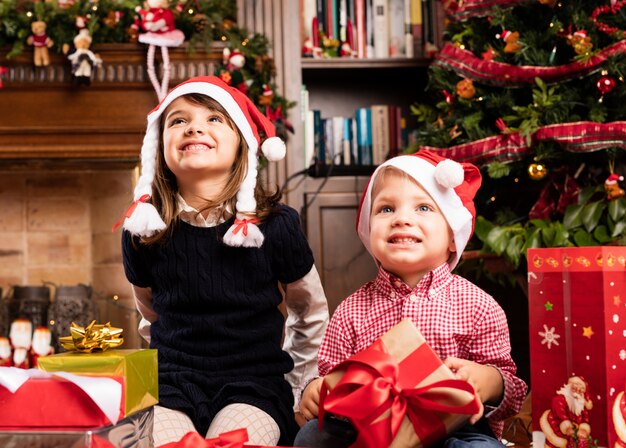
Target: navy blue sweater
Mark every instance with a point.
(219, 329)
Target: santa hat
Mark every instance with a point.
(613, 179)
(144, 220)
(452, 186)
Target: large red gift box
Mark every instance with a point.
(577, 310)
(56, 402)
(398, 393)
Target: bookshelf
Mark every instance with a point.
(336, 86)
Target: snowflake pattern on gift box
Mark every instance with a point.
(549, 336)
(622, 354)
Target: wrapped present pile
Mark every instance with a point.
(97, 384)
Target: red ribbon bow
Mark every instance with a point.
(374, 383)
(230, 439)
(131, 209)
(242, 224)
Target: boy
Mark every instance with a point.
(416, 217)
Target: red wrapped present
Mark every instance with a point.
(35, 400)
(397, 392)
(577, 310)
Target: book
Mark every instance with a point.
(338, 137)
(380, 133)
(381, 28)
(396, 29)
(318, 136)
(408, 31)
(348, 142)
(360, 24)
(369, 28)
(417, 28)
(364, 135)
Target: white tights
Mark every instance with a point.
(171, 425)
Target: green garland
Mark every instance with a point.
(109, 21)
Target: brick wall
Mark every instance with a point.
(55, 226)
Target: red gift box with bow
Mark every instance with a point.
(230, 439)
(577, 311)
(398, 392)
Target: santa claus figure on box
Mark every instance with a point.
(566, 423)
(41, 345)
(619, 419)
(21, 335)
(5, 352)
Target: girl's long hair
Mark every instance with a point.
(165, 187)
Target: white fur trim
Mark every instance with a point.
(449, 173)
(221, 96)
(458, 217)
(274, 149)
(254, 238)
(618, 417)
(144, 221)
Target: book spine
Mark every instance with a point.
(396, 29)
(408, 31)
(381, 28)
(360, 28)
(364, 135)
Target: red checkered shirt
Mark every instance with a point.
(456, 318)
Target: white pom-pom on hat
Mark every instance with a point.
(449, 174)
(274, 149)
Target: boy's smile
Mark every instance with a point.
(409, 235)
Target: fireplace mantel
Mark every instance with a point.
(45, 118)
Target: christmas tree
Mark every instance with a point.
(533, 92)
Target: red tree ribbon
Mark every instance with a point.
(374, 382)
(582, 136)
(464, 9)
(230, 439)
(468, 65)
(242, 224)
(131, 209)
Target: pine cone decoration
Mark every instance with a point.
(200, 22)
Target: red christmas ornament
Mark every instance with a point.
(449, 96)
(605, 84)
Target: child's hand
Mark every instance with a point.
(309, 405)
(486, 380)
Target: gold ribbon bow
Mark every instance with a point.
(92, 337)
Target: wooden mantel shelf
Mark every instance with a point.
(44, 116)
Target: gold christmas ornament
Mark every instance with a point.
(537, 171)
(465, 89)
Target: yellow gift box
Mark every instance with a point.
(137, 367)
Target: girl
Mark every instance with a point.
(205, 247)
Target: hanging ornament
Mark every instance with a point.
(489, 54)
(612, 188)
(448, 96)
(605, 84)
(112, 18)
(267, 96)
(537, 171)
(465, 89)
(580, 42)
(511, 40)
(157, 29)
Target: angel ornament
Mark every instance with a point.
(156, 29)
